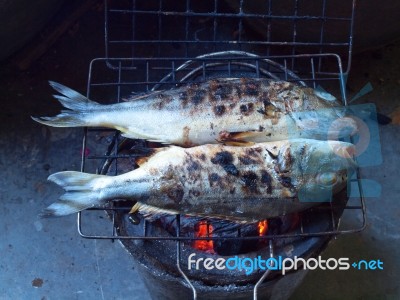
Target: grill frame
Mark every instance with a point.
(171, 79)
(269, 57)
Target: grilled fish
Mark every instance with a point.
(231, 111)
(243, 184)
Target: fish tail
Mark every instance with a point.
(80, 193)
(79, 106)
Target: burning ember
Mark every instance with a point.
(262, 227)
(203, 229)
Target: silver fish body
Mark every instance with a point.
(243, 184)
(219, 110)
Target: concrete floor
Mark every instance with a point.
(46, 259)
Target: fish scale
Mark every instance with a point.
(236, 110)
(242, 184)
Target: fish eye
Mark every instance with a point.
(327, 179)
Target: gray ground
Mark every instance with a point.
(46, 259)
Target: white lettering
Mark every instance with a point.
(284, 267)
(320, 262)
(220, 263)
(329, 266)
(343, 263)
(198, 263)
(191, 261)
(208, 263)
(314, 261)
(302, 260)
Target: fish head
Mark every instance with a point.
(322, 118)
(317, 98)
(321, 168)
(322, 124)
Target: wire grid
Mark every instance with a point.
(188, 28)
(119, 82)
(165, 43)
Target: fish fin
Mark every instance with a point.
(77, 103)
(244, 135)
(80, 193)
(141, 96)
(239, 139)
(65, 119)
(216, 217)
(150, 212)
(72, 100)
(144, 136)
(238, 143)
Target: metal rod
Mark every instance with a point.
(178, 258)
(190, 13)
(313, 73)
(266, 273)
(321, 37)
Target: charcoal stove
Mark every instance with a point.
(158, 45)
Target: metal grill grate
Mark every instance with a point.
(187, 28)
(119, 83)
(159, 44)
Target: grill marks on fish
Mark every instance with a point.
(266, 180)
(223, 97)
(225, 160)
(162, 100)
(202, 157)
(252, 156)
(221, 92)
(198, 96)
(174, 193)
(250, 180)
(193, 166)
(224, 92)
(250, 87)
(214, 177)
(250, 107)
(223, 170)
(247, 109)
(245, 167)
(247, 160)
(219, 110)
(186, 182)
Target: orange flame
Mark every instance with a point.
(262, 227)
(204, 230)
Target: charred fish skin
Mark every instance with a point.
(219, 110)
(243, 184)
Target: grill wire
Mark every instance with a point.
(150, 57)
